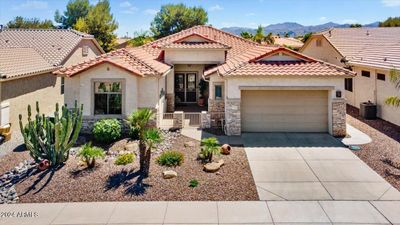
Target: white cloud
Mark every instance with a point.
(349, 21)
(323, 18)
(391, 3)
(32, 4)
(250, 14)
(128, 8)
(125, 4)
(215, 8)
(150, 11)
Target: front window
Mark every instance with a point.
(348, 84)
(107, 98)
(218, 92)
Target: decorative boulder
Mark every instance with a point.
(226, 149)
(132, 147)
(189, 144)
(168, 174)
(44, 165)
(213, 166)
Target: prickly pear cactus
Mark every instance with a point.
(52, 138)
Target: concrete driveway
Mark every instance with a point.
(311, 166)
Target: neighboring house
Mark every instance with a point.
(122, 42)
(289, 42)
(27, 59)
(255, 88)
(371, 53)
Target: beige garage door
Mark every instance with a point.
(284, 111)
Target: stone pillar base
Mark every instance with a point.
(339, 117)
(232, 117)
(178, 119)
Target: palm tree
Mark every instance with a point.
(269, 39)
(395, 78)
(246, 35)
(139, 121)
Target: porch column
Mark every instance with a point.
(339, 117)
(232, 117)
(178, 119)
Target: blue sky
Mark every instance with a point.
(135, 15)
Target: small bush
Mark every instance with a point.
(134, 133)
(89, 154)
(210, 147)
(124, 159)
(107, 130)
(170, 158)
(193, 183)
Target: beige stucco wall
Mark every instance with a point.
(376, 91)
(194, 56)
(76, 55)
(137, 91)
(326, 52)
(20, 93)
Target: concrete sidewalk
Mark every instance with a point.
(255, 212)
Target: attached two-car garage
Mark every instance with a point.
(284, 110)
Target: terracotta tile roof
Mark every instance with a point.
(54, 45)
(17, 62)
(196, 45)
(135, 61)
(378, 47)
(239, 56)
(303, 68)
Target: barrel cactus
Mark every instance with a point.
(52, 138)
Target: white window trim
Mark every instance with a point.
(123, 92)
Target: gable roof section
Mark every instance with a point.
(305, 66)
(18, 62)
(378, 47)
(242, 55)
(54, 45)
(134, 61)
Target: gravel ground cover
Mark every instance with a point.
(383, 153)
(109, 182)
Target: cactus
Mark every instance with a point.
(52, 140)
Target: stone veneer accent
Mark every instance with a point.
(205, 120)
(232, 120)
(170, 102)
(178, 119)
(339, 117)
(216, 108)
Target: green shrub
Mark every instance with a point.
(170, 158)
(210, 147)
(134, 133)
(89, 154)
(107, 130)
(193, 183)
(124, 159)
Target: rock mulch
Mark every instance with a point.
(383, 153)
(108, 182)
(8, 180)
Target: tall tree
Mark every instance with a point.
(390, 22)
(75, 9)
(100, 23)
(140, 38)
(259, 36)
(173, 18)
(246, 35)
(355, 25)
(26, 23)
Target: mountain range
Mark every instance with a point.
(294, 29)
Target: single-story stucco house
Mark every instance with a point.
(371, 53)
(249, 87)
(27, 59)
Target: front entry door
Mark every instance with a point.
(185, 87)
